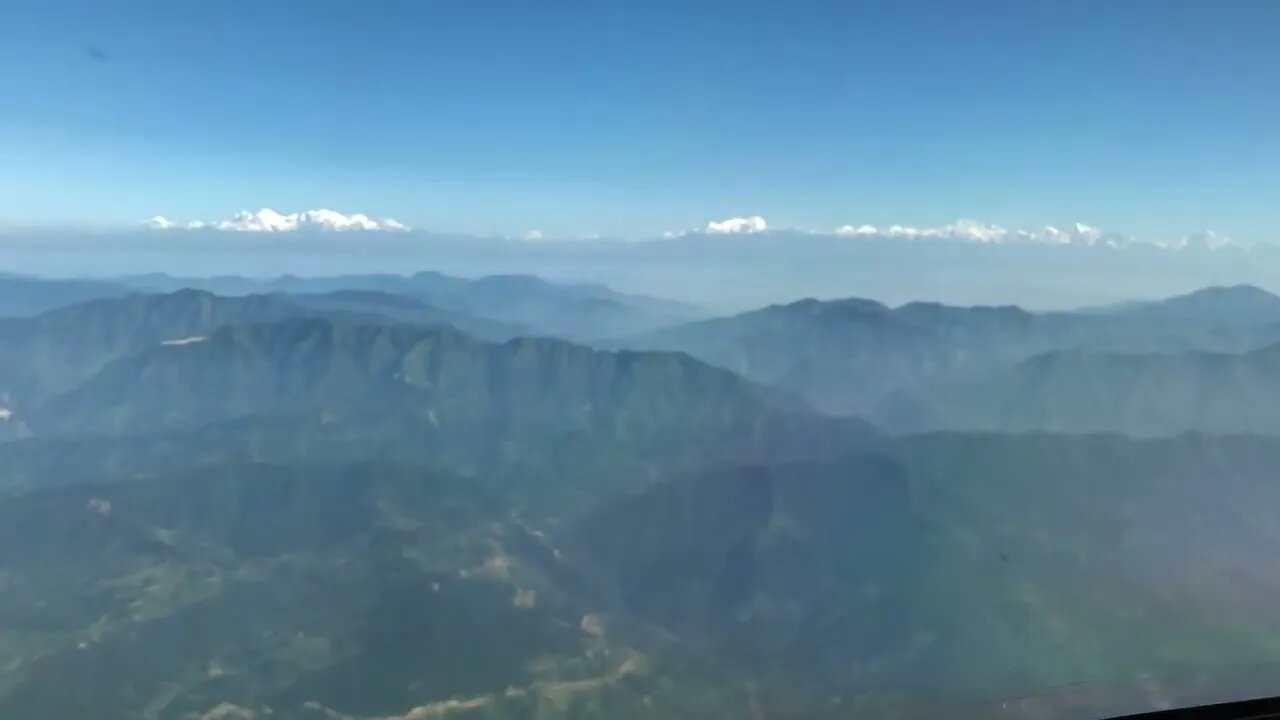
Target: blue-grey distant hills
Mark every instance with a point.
(578, 311)
(145, 364)
(82, 335)
(22, 295)
(46, 355)
(850, 356)
(1229, 304)
(492, 306)
(50, 353)
(1140, 394)
(346, 367)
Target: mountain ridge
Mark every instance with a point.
(579, 311)
(849, 356)
(307, 360)
(1223, 303)
(1135, 393)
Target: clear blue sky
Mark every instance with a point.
(1150, 118)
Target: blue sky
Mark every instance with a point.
(627, 119)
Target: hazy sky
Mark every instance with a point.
(1152, 119)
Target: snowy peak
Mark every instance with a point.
(159, 222)
(736, 225)
(269, 220)
(989, 233)
(1206, 240)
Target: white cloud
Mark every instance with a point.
(534, 235)
(268, 220)
(733, 225)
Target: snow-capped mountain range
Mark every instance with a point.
(983, 232)
(268, 220)
(976, 231)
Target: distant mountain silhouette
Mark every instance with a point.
(846, 355)
(1079, 392)
(23, 296)
(440, 376)
(374, 304)
(537, 306)
(849, 356)
(50, 353)
(1232, 304)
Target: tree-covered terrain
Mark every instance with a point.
(276, 506)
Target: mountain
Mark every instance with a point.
(1081, 392)
(406, 309)
(469, 401)
(23, 296)
(269, 220)
(324, 505)
(965, 566)
(232, 285)
(581, 312)
(850, 356)
(47, 354)
(316, 592)
(572, 311)
(845, 355)
(945, 571)
(259, 585)
(1236, 304)
(333, 517)
(319, 363)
